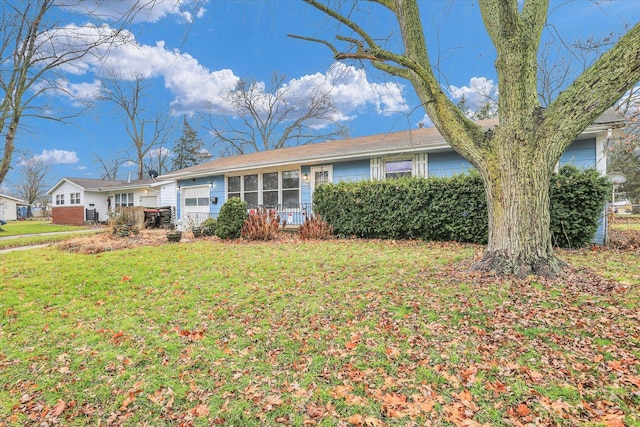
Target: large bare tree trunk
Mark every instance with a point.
(517, 191)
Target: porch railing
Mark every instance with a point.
(291, 214)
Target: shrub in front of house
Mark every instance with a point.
(261, 224)
(454, 209)
(208, 227)
(231, 217)
(315, 228)
(577, 201)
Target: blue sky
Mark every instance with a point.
(193, 51)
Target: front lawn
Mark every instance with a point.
(13, 228)
(363, 333)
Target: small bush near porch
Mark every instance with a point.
(323, 333)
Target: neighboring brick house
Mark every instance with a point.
(75, 201)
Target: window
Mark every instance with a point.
(234, 186)
(290, 188)
(124, 199)
(196, 201)
(75, 198)
(251, 189)
(270, 189)
(59, 199)
(398, 168)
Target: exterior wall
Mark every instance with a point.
(97, 201)
(65, 189)
(8, 209)
(447, 164)
(582, 154)
(67, 215)
(168, 195)
(358, 170)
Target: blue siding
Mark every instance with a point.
(447, 164)
(357, 170)
(582, 154)
(305, 186)
(218, 190)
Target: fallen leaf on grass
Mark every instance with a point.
(59, 408)
(200, 411)
(523, 410)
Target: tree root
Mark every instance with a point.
(503, 265)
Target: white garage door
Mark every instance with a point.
(149, 201)
(195, 199)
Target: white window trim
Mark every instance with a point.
(260, 183)
(419, 165)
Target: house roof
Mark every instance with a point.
(15, 199)
(353, 148)
(393, 143)
(100, 185)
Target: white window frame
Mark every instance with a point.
(261, 189)
(386, 160)
(74, 199)
(118, 200)
(59, 199)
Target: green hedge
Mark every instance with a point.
(454, 209)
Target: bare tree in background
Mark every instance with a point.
(32, 186)
(158, 159)
(110, 167)
(147, 129)
(33, 46)
(516, 158)
(259, 118)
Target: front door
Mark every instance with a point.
(320, 175)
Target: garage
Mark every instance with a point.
(195, 200)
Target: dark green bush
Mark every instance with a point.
(453, 209)
(208, 227)
(577, 202)
(231, 217)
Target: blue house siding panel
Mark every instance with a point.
(357, 170)
(582, 154)
(447, 164)
(218, 190)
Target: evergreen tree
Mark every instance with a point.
(189, 149)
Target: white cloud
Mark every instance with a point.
(480, 91)
(196, 88)
(56, 157)
(136, 11)
(156, 153)
(78, 93)
(425, 122)
(352, 90)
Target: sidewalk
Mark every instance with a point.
(40, 245)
